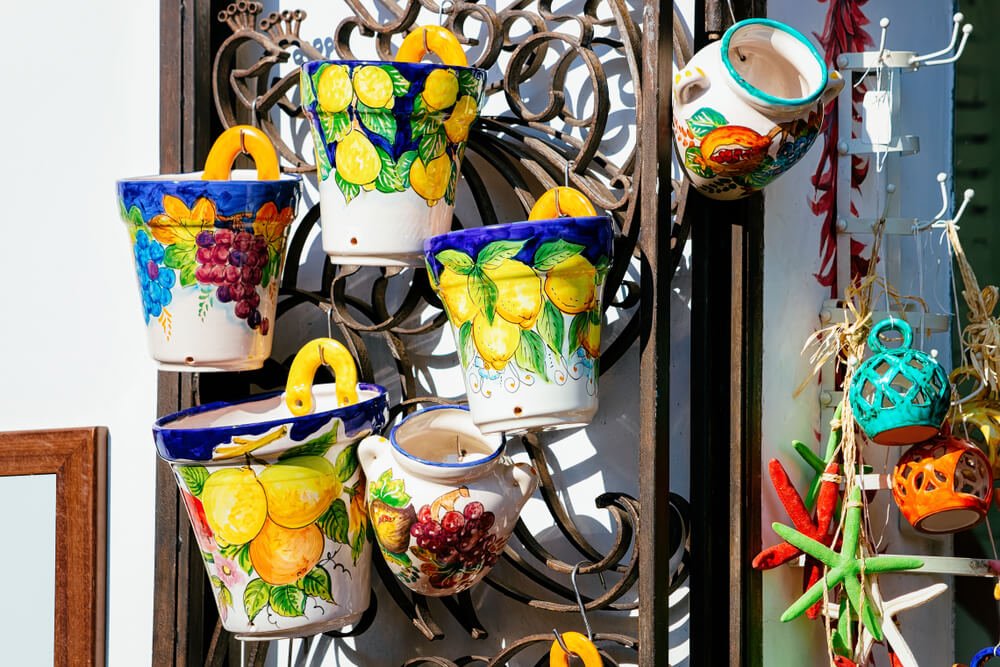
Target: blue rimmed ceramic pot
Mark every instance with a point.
(208, 258)
(389, 141)
(749, 106)
(277, 504)
(524, 302)
(443, 499)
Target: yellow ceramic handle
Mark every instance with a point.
(241, 139)
(432, 39)
(579, 644)
(560, 202)
(298, 391)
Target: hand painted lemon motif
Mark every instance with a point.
(454, 290)
(519, 292)
(430, 181)
(590, 339)
(570, 285)
(440, 89)
(235, 504)
(357, 161)
(461, 118)
(373, 86)
(495, 342)
(299, 490)
(333, 90)
(282, 555)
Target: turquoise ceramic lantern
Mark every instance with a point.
(899, 396)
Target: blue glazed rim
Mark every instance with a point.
(760, 94)
(310, 67)
(374, 406)
(193, 177)
(441, 464)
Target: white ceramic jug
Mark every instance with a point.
(748, 107)
(442, 498)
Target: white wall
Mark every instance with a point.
(80, 110)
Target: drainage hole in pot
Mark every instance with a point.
(189, 361)
(517, 411)
(354, 241)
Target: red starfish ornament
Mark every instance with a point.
(819, 530)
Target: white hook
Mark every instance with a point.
(967, 196)
(957, 20)
(884, 25)
(966, 31)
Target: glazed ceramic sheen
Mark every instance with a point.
(524, 302)
(208, 256)
(389, 141)
(899, 396)
(442, 499)
(277, 505)
(748, 107)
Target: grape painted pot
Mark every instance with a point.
(442, 499)
(524, 302)
(389, 141)
(208, 257)
(749, 106)
(277, 505)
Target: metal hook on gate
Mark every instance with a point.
(441, 10)
(967, 197)
(966, 30)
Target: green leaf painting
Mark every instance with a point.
(432, 145)
(379, 121)
(388, 179)
(484, 293)
(288, 601)
(468, 84)
(465, 344)
(530, 353)
(552, 327)
(315, 447)
(240, 553)
(577, 330)
(350, 190)
(390, 491)
(457, 261)
(693, 161)
(552, 253)
(493, 254)
(403, 167)
(347, 462)
(317, 584)
(194, 478)
(255, 597)
(705, 120)
(336, 125)
(358, 545)
(334, 521)
(400, 85)
(181, 256)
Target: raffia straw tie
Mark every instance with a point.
(830, 477)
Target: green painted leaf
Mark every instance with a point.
(323, 162)
(465, 350)
(347, 462)
(270, 267)
(552, 327)
(595, 317)
(551, 253)
(225, 597)
(358, 545)
(400, 85)
(403, 167)
(255, 597)
(468, 84)
(401, 559)
(491, 256)
(705, 120)
(394, 494)
(432, 145)
(334, 521)
(388, 179)
(208, 557)
(306, 86)
(239, 553)
(177, 255)
(335, 125)
(187, 275)
(194, 478)
(449, 193)
(530, 354)
(484, 293)
(350, 190)
(315, 447)
(457, 261)
(317, 584)
(577, 330)
(379, 121)
(692, 160)
(288, 601)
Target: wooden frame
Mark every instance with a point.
(78, 459)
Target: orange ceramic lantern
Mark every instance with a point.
(943, 485)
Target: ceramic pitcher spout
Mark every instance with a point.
(526, 480)
(370, 450)
(834, 84)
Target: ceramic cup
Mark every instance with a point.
(208, 257)
(747, 107)
(389, 141)
(277, 506)
(442, 498)
(524, 302)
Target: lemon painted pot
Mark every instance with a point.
(277, 505)
(746, 108)
(443, 499)
(389, 140)
(208, 258)
(524, 302)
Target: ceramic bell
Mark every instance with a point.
(748, 107)
(899, 396)
(443, 499)
(275, 497)
(943, 485)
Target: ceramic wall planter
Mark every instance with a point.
(277, 504)
(524, 302)
(442, 499)
(208, 256)
(899, 396)
(389, 141)
(747, 107)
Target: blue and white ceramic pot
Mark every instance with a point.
(208, 258)
(442, 498)
(389, 141)
(277, 505)
(524, 302)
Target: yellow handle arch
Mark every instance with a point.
(578, 644)
(241, 139)
(298, 390)
(560, 202)
(432, 39)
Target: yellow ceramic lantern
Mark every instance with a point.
(978, 420)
